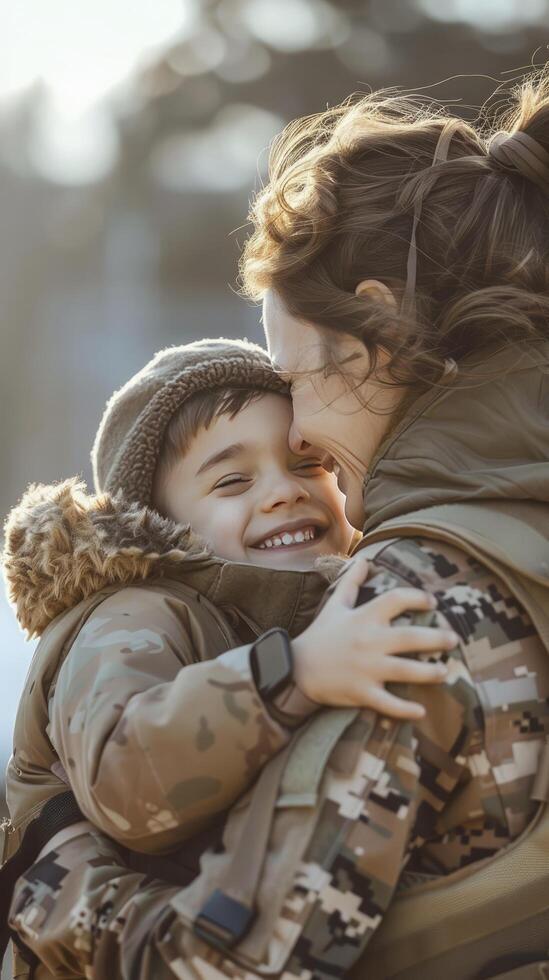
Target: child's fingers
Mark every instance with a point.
(411, 671)
(347, 588)
(417, 639)
(389, 704)
(398, 601)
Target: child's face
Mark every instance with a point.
(241, 488)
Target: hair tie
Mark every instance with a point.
(515, 151)
(523, 154)
(439, 156)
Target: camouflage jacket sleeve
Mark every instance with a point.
(157, 740)
(454, 787)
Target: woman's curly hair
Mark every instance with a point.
(338, 208)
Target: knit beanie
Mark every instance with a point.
(129, 439)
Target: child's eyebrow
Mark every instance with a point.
(228, 453)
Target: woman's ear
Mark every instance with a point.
(377, 291)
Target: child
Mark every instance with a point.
(125, 597)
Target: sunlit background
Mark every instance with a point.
(131, 137)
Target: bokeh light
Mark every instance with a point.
(488, 15)
(222, 157)
(81, 51)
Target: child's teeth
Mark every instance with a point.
(289, 537)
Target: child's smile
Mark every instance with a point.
(299, 535)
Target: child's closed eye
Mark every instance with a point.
(233, 480)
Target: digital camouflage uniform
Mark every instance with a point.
(427, 797)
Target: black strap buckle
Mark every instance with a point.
(223, 921)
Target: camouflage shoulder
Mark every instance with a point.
(425, 563)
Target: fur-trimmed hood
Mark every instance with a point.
(62, 544)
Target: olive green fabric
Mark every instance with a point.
(484, 436)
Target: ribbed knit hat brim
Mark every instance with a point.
(129, 439)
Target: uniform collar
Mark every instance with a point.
(483, 436)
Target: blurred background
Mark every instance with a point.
(132, 136)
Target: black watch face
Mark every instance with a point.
(274, 664)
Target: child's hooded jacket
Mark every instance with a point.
(154, 753)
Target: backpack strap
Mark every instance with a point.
(291, 778)
(229, 912)
(59, 812)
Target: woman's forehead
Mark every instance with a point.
(293, 345)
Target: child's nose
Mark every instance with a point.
(286, 491)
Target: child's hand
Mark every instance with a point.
(347, 654)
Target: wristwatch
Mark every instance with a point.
(271, 662)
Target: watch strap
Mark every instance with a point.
(291, 707)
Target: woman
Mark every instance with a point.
(402, 264)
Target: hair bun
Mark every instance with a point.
(522, 153)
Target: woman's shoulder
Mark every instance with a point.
(476, 603)
(431, 564)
